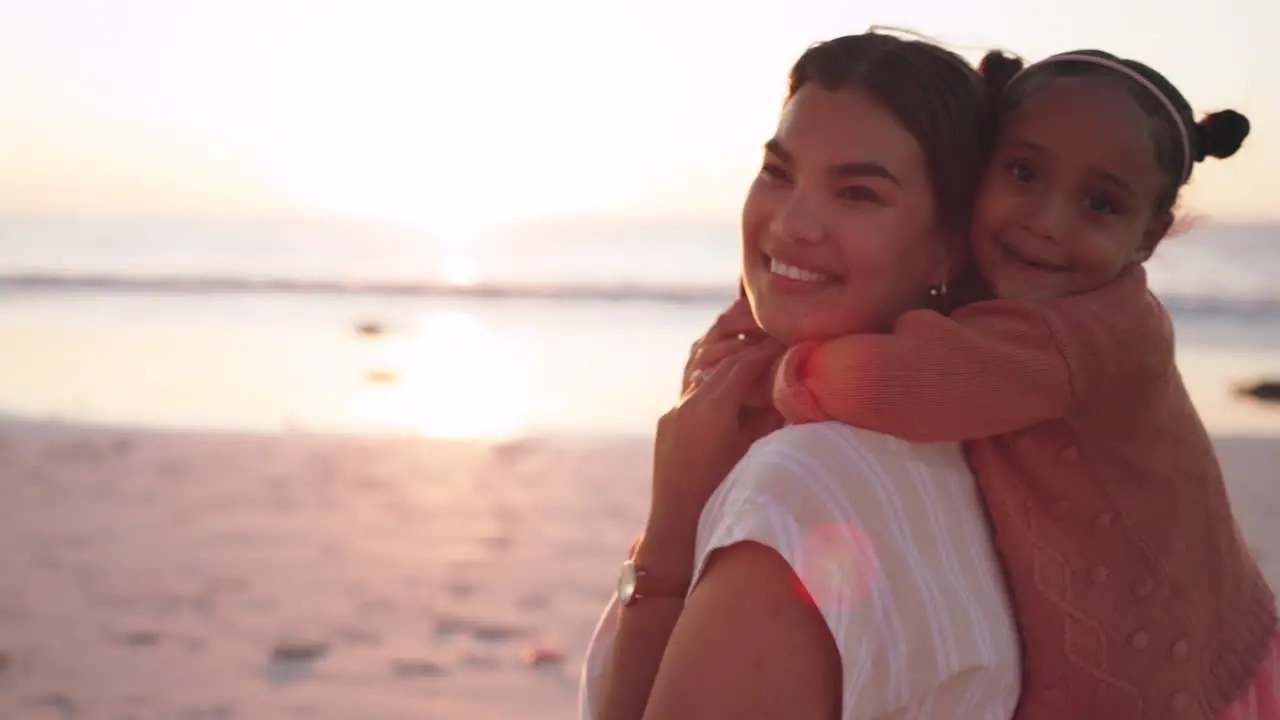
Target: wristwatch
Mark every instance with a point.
(635, 583)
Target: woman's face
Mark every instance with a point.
(838, 229)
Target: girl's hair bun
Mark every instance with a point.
(1220, 134)
(997, 69)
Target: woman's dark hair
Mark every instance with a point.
(1218, 134)
(937, 96)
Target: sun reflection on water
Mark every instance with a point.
(451, 377)
(458, 268)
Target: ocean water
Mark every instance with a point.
(1222, 269)
(555, 327)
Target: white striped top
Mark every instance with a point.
(891, 540)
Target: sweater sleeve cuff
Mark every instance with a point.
(795, 401)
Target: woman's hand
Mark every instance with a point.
(698, 442)
(732, 330)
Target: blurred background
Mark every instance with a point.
(332, 333)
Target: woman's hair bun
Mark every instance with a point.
(997, 69)
(1220, 134)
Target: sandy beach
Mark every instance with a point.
(170, 575)
(148, 574)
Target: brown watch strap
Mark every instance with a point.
(638, 582)
(658, 585)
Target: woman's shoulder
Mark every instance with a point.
(817, 474)
(823, 449)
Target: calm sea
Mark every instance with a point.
(566, 326)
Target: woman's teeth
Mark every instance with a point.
(795, 273)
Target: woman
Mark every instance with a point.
(834, 572)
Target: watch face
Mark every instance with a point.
(627, 583)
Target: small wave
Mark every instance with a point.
(236, 285)
(1203, 304)
(1179, 303)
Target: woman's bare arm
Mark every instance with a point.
(749, 644)
(643, 630)
(698, 443)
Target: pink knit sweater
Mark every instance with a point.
(1135, 594)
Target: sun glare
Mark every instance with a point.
(458, 268)
(412, 116)
(452, 378)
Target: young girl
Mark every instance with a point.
(1136, 595)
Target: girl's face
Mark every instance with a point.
(1069, 198)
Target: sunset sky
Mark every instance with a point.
(464, 113)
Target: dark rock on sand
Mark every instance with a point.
(1264, 390)
(298, 651)
(494, 633)
(479, 631)
(141, 638)
(213, 712)
(293, 661)
(414, 667)
(369, 328)
(64, 704)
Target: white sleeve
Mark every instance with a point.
(890, 541)
(782, 496)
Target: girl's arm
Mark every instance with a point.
(988, 369)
